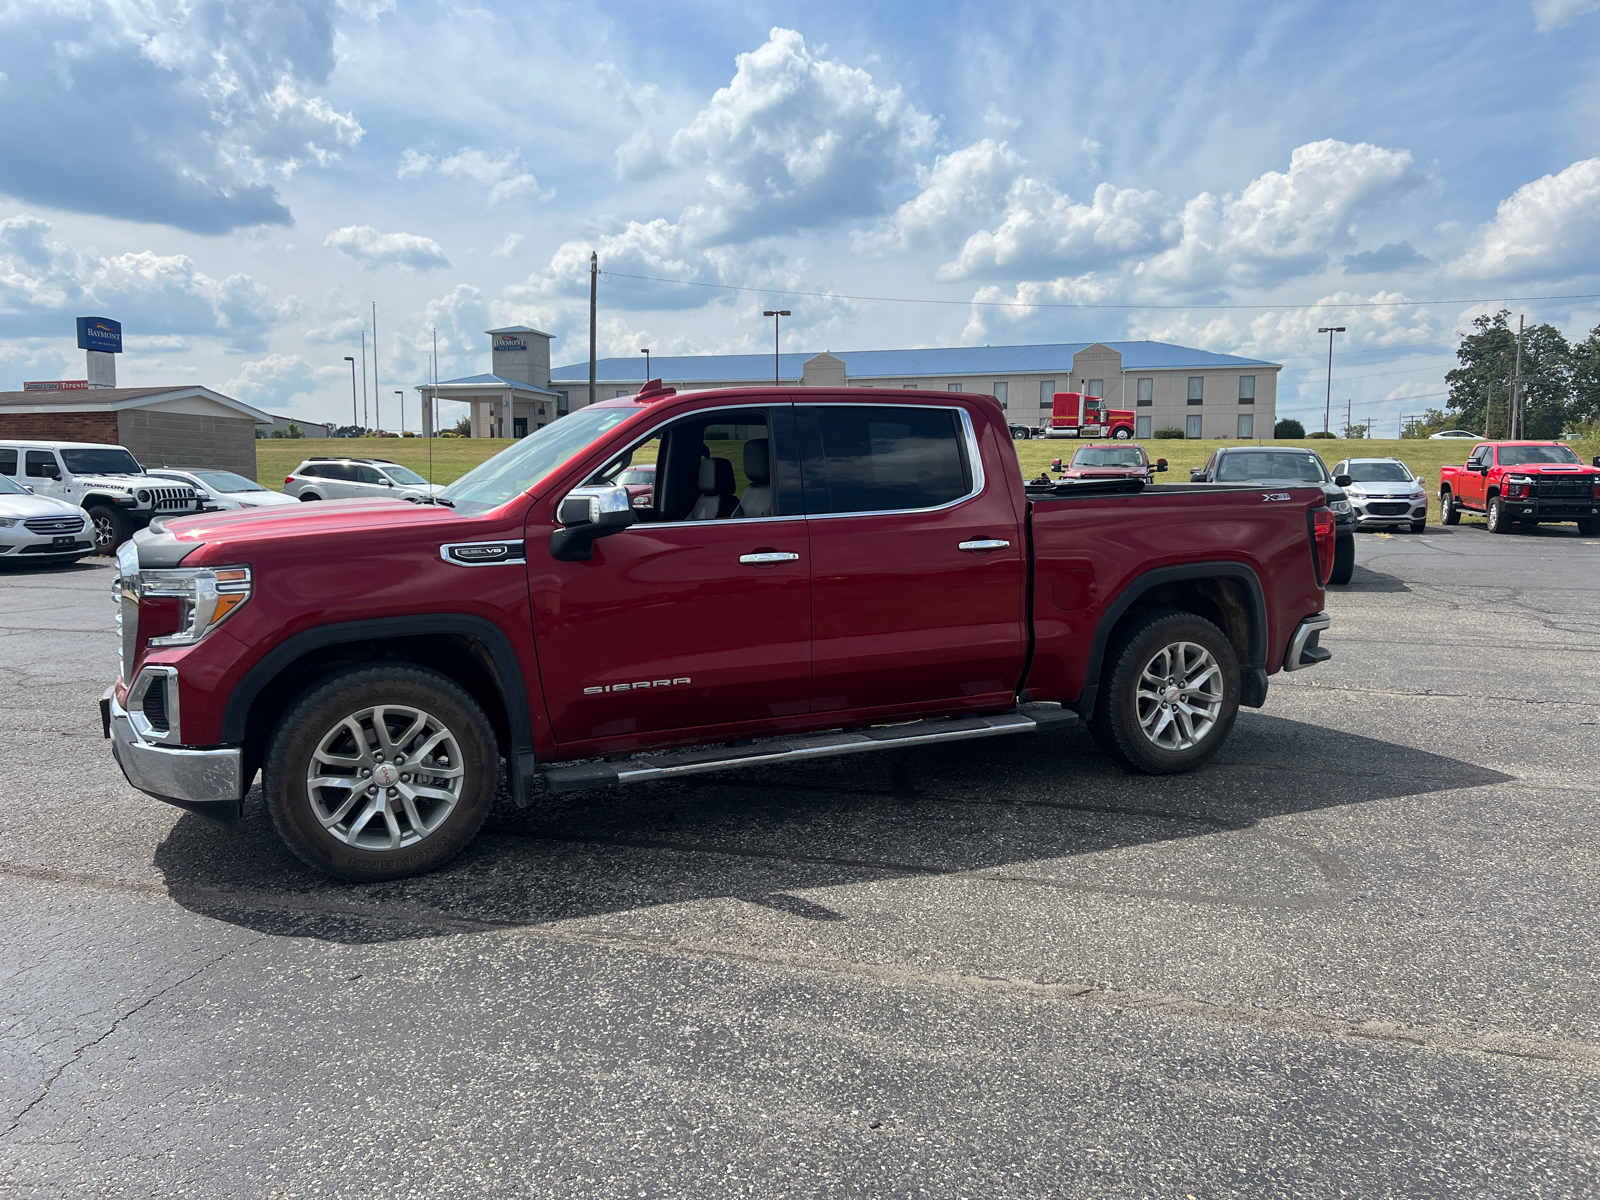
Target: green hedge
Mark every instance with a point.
(1168, 434)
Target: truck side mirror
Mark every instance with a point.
(1597, 460)
(1161, 464)
(1342, 481)
(1197, 475)
(585, 514)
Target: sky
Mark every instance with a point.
(240, 184)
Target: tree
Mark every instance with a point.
(1355, 431)
(462, 428)
(1585, 404)
(294, 431)
(1479, 388)
(1288, 428)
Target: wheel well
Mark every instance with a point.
(1491, 493)
(459, 657)
(1223, 602)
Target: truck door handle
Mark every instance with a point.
(768, 556)
(979, 545)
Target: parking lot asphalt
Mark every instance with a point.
(1357, 955)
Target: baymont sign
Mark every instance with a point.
(509, 343)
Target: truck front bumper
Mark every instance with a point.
(208, 782)
(1544, 509)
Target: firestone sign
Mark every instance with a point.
(100, 333)
(55, 385)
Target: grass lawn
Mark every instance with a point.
(454, 457)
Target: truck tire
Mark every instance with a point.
(387, 823)
(110, 527)
(1589, 526)
(1344, 558)
(1449, 514)
(1169, 693)
(1498, 521)
(1123, 434)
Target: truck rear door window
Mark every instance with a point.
(8, 462)
(888, 458)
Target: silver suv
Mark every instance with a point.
(1385, 494)
(357, 479)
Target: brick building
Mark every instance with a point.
(161, 426)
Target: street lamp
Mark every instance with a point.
(646, 354)
(776, 314)
(1327, 404)
(400, 397)
(352, 363)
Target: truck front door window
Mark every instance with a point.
(42, 465)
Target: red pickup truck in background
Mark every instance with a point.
(1514, 483)
(1109, 462)
(816, 572)
(1073, 414)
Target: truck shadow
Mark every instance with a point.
(1019, 810)
(1365, 579)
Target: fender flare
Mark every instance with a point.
(1252, 674)
(513, 687)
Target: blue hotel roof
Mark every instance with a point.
(891, 364)
(497, 381)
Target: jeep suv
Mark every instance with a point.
(105, 481)
(357, 479)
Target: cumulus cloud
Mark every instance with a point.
(1387, 319)
(1555, 14)
(273, 378)
(408, 251)
(44, 281)
(1545, 228)
(195, 111)
(796, 141)
(500, 172)
(1391, 256)
(1044, 229)
(960, 190)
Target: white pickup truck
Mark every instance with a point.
(107, 482)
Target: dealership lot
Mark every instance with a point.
(1355, 955)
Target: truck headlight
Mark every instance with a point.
(1340, 506)
(207, 596)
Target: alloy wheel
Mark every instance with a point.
(385, 777)
(1179, 696)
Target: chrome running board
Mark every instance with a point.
(1029, 718)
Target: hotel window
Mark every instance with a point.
(1047, 394)
(1197, 389)
(563, 403)
(952, 387)
(910, 387)
(1141, 427)
(1247, 389)
(1192, 428)
(1000, 393)
(623, 392)
(1247, 425)
(1147, 391)
(1095, 387)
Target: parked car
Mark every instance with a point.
(1384, 494)
(357, 479)
(41, 528)
(1284, 467)
(1522, 483)
(1445, 435)
(640, 480)
(1111, 462)
(875, 575)
(105, 481)
(222, 491)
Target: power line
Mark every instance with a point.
(777, 291)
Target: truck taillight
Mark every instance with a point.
(1323, 532)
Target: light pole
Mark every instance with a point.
(646, 354)
(353, 419)
(776, 315)
(1327, 404)
(400, 398)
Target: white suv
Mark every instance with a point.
(358, 479)
(105, 481)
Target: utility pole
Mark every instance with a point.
(377, 409)
(1518, 400)
(777, 316)
(1347, 416)
(594, 283)
(1327, 403)
(363, 382)
(354, 416)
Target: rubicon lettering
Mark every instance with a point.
(634, 687)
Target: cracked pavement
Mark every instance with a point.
(1356, 955)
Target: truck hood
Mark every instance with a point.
(1106, 472)
(233, 533)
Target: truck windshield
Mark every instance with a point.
(113, 460)
(1108, 456)
(1271, 466)
(1522, 456)
(518, 468)
(1378, 472)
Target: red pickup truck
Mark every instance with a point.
(1110, 462)
(1522, 483)
(816, 573)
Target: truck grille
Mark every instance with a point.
(1388, 508)
(172, 499)
(1580, 488)
(53, 524)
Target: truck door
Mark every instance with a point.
(917, 564)
(44, 473)
(1472, 480)
(699, 615)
